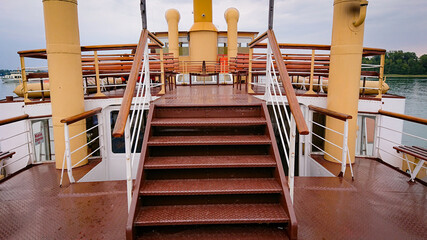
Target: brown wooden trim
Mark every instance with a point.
(290, 93)
(41, 116)
(81, 116)
(257, 40)
(119, 128)
(330, 113)
(404, 117)
(13, 119)
(155, 39)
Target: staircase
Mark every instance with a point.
(210, 172)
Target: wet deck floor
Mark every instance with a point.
(379, 204)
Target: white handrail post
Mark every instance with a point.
(31, 151)
(68, 154)
(147, 79)
(307, 150)
(292, 158)
(128, 164)
(344, 148)
(267, 94)
(101, 135)
(377, 136)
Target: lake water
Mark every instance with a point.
(415, 91)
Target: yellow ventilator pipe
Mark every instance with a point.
(344, 74)
(203, 34)
(231, 15)
(172, 17)
(65, 74)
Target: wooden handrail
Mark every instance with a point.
(257, 40)
(81, 116)
(119, 128)
(330, 113)
(287, 85)
(14, 119)
(404, 117)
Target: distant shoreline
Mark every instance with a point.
(406, 76)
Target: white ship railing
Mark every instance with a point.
(20, 143)
(69, 152)
(143, 98)
(387, 137)
(345, 154)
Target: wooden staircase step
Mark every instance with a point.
(177, 162)
(218, 121)
(210, 214)
(208, 140)
(210, 186)
(216, 232)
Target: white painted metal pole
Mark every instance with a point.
(128, 164)
(147, 79)
(292, 158)
(267, 94)
(68, 154)
(344, 147)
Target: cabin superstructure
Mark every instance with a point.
(211, 134)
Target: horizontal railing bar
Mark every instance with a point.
(26, 143)
(403, 117)
(326, 140)
(330, 113)
(324, 151)
(320, 125)
(3, 166)
(4, 139)
(407, 134)
(13, 119)
(85, 145)
(86, 157)
(81, 116)
(83, 132)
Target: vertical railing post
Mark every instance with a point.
(128, 163)
(251, 51)
(377, 136)
(68, 153)
(147, 79)
(381, 77)
(30, 145)
(310, 91)
(267, 94)
(307, 150)
(162, 73)
(97, 78)
(24, 80)
(291, 173)
(101, 135)
(344, 148)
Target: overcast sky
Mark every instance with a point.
(390, 24)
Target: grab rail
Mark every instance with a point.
(13, 119)
(67, 154)
(286, 82)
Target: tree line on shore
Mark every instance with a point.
(399, 62)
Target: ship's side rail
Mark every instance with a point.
(413, 154)
(316, 140)
(16, 151)
(104, 68)
(308, 68)
(94, 135)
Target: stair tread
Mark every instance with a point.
(209, 161)
(216, 232)
(210, 186)
(210, 214)
(208, 140)
(219, 121)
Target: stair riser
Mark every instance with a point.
(209, 130)
(219, 150)
(210, 199)
(153, 174)
(208, 112)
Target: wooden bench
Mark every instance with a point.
(417, 152)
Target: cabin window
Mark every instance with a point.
(222, 49)
(184, 49)
(118, 144)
